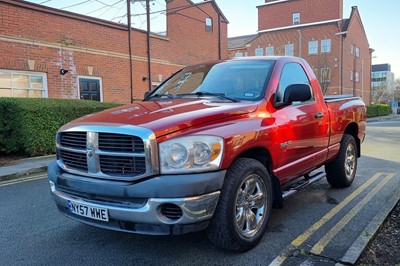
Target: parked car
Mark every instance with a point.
(215, 148)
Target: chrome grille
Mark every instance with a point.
(114, 165)
(108, 152)
(74, 160)
(75, 140)
(120, 143)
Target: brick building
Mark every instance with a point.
(46, 52)
(336, 48)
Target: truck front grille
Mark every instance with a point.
(106, 155)
(114, 165)
(74, 160)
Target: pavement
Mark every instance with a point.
(24, 167)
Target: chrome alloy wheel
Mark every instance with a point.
(251, 202)
(350, 161)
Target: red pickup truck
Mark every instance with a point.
(214, 147)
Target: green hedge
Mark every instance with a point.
(28, 126)
(378, 110)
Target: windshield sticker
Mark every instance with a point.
(181, 82)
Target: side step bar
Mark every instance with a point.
(308, 180)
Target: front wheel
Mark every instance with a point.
(244, 207)
(341, 171)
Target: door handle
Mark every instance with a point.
(319, 115)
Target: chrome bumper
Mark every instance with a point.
(194, 210)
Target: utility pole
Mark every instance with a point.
(148, 43)
(128, 8)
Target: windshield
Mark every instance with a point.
(237, 80)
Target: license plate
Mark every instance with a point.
(96, 213)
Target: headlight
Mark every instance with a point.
(191, 154)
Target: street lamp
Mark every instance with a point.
(362, 75)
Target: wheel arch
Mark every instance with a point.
(352, 129)
(264, 157)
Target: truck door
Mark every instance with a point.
(302, 128)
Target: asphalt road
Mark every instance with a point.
(317, 224)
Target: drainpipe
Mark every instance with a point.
(148, 42)
(299, 42)
(219, 36)
(130, 47)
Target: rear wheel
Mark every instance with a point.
(341, 171)
(244, 207)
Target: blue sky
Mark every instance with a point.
(379, 19)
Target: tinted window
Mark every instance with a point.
(292, 73)
(241, 80)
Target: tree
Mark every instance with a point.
(397, 90)
(381, 93)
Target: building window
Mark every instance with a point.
(357, 77)
(326, 46)
(246, 54)
(239, 54)
(351, 75)
(269, 51)
(208, 25)
(90, 88)
(352, 49)
(259, 51)
(296, 18)
(313, 47)
(357, 51)
(289, 49)
(22, 84)
(325, 75)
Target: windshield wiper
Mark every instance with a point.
(160, 96)
(208, 94)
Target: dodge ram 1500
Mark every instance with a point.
(213, 148)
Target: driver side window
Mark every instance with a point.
(292, 73)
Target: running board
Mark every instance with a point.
(308, 180)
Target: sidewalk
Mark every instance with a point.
(25, 167)
(383, 118)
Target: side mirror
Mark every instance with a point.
(147, 93)
(295, 93)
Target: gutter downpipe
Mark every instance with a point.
(219, 36)
(148, 43)
(130, 47)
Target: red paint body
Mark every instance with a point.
(296, 141)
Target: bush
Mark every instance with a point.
(29, 126)
(378, 110)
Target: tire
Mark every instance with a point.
(244, 207)
(342, 171)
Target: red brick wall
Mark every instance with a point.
(185, 22)
(56, 39)
(280, 14)
(356, 36)
(278, 40)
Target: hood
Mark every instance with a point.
(164, 117)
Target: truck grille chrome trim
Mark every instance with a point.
(108, 151)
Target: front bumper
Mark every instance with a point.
(140, 207)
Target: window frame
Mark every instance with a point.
(296, 18)
(329, 72)
(44, 90)
(258, 50)
(91, 77)
(269, 48)
(313, 50)
(208, 26)
(323, 47)
(287, 49)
